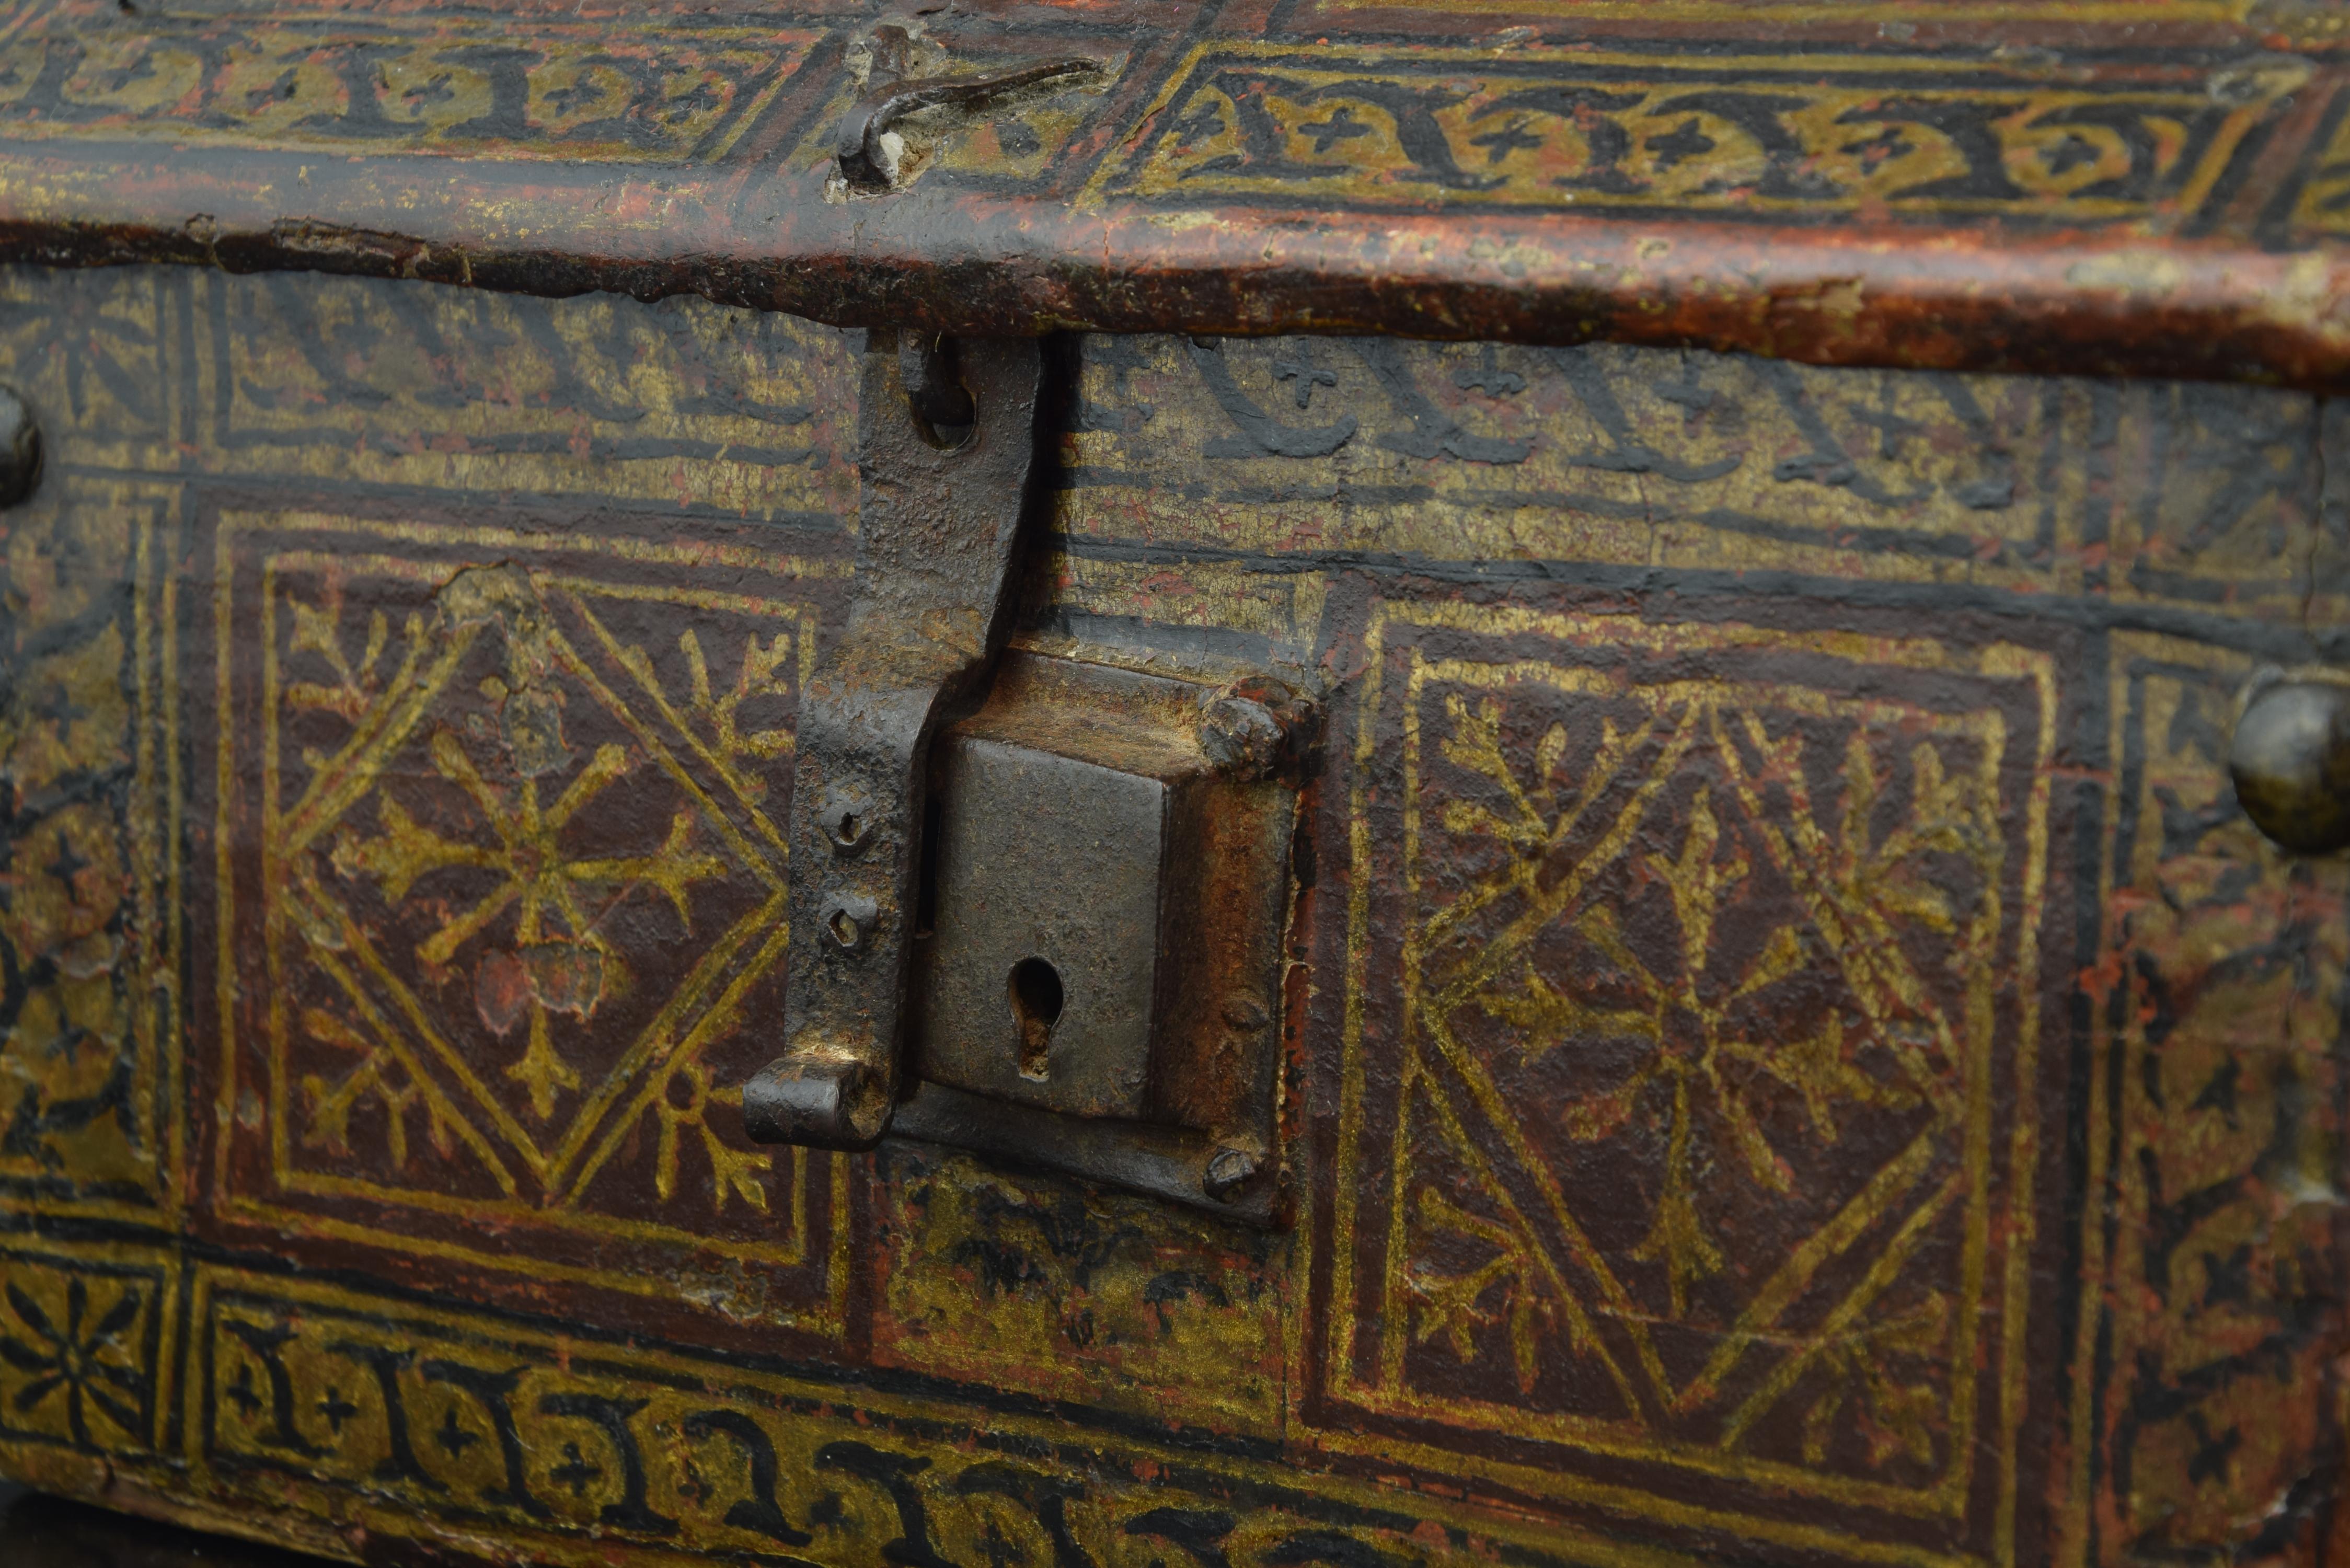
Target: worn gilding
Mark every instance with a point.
(1793, 1054)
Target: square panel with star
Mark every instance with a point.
(501, 850)
(1688, 1102)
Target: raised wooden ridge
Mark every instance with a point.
(2156, 189)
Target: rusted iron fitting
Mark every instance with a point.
(868, 146)
(938, 522)
(2290, 758)
(1251, 729)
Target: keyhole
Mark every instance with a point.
(1036, 990)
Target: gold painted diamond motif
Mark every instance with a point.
(520, 830)
(1711, 941)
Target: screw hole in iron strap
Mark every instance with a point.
(850, 919)
(846, 817)
(944, 412)
(931, 566)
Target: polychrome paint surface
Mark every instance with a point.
(1795, 1057)
(2150, 188)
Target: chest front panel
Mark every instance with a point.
(1793, 1053)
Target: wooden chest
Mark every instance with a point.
(1621, 637)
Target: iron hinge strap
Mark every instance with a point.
(938, 524)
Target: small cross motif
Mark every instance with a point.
(1307, 377)
(277, 91)
(1488, 377)
(1499, 144)
(454, 1439)
(241, 1393)
(336, 1409)
(1681, 144)
(2070, 154)
(1882, 148)
(565, 99)
(1692, 399)
(1891, 428)
(1202, 124)
(1341, 125)
(574, 1472)
(68, 865)
(437, 90)
(57, 706)
(70, 1041)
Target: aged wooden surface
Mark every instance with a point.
(41, 1532)
(2038, 185)
(1796, 1056)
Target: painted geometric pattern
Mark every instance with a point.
(84, 1014)
(1715, 948)
(2207, 1234)
(2199, 496)
(520, 875)
(2224, 998)
(89, 956)
(1355, 127)
(413, 1421)
(549, 90)
(79, 1352)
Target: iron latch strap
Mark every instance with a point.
(938, 523)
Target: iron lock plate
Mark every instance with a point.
(1048, 928)
(1097, 988)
